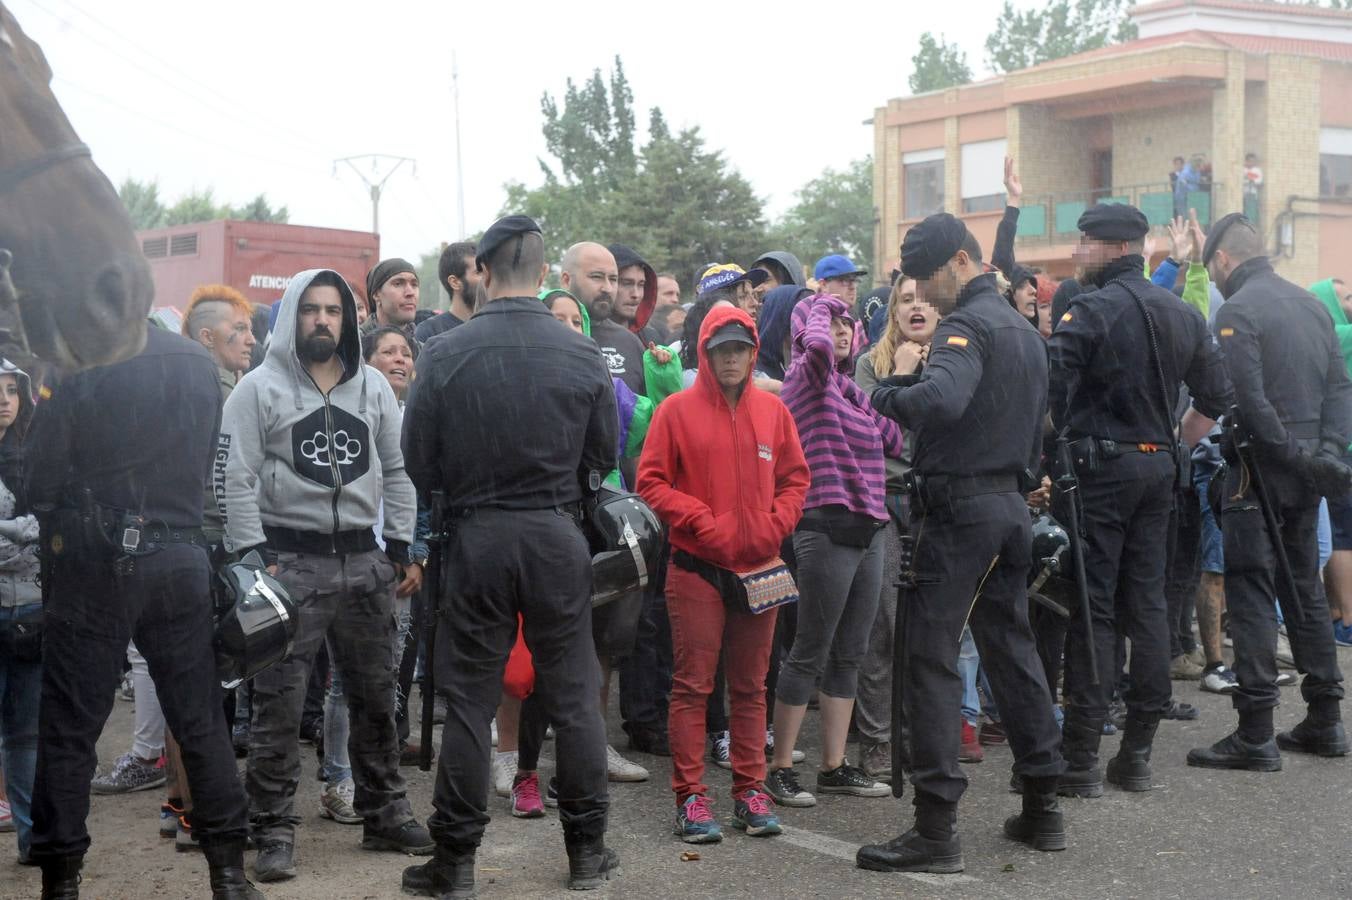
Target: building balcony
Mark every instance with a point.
(1052, 218)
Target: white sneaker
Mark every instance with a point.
(493, 732)
(504, 770)
(620, 769)
(336, 803)
(1220, 680)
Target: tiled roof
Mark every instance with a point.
(1258, 45)
(1286, 9)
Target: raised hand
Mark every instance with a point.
(1180, 235)
(1198, 237)
(1013, 186)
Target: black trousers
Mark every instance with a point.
(1184, 572)
(1126, 523)
(645, 676)
(500, 563)
(972, 569)
(1252, 581)
(164, 604)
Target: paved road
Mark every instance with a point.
(1198, 834)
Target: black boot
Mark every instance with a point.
(1079, 745)
(1321, 733)
(447, 874)
(1130, 768)
(1040, 825)
(225, 861)
(590, 863)
(931, 846)
(61, 877)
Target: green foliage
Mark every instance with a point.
(197, 206)
(834, 214)
(938, 64)
(1062, 28)
(142, 200)
(429, 295)
(258, 210)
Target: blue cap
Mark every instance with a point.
(835, 266)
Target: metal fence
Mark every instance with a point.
(1052, 217)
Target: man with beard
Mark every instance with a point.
(461, 280)
(1295, 407)
(392, 287)
(312, 445)
(591, 274)
(636, 297)
(1116, 407)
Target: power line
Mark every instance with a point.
(376, 183)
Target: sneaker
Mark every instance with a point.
(720, 749)
(1342, 633)
(504, 771)
(751, 813)
(620, 769)
(276, 861)
(526, 803)
(1179, 711)
(552, 793)
(970, 749)
(129, 774)
(695, 822)
(184, 842)
(1285, 659)
(410, 837)
(493, 732)
(127, 690)
(1286, 679)
(991, 733)
(877, 761)
(797, 755)
(168, 820)
(6, 817)
(848, 779)
(336, 803)
(782, 784)
(1220, 679)
(1184, 669)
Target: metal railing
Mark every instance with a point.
(1052, 218)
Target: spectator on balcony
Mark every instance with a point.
(1253, 175)
(1186, 180)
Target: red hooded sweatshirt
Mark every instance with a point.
(728, 482)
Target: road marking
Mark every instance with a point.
(829, 846)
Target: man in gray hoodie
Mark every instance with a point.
(311, 439)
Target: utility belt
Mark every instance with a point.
(339, 543)
(843, 526)
(1090, 453)
(99, 533)
(939, 494)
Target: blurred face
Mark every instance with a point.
(1025, 300)
(595, 282)
(842, 337)
(394, 358)
(633, 282)
(397, 300)
(319, 323)
(566, 310)
(9, 401)
(731, 363)
(941, 289)
(1091, 255)
(668, 291)
(845, 287)
(745, 299)
(916, 318)
(231, 341)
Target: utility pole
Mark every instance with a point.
(459, 168)
(377, 181)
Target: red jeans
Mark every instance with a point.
(700, 627)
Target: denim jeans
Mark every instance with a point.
(968, 664)
(336, 766)
(20, 693)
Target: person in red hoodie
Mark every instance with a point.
(724, 469)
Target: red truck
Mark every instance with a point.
(256, 258)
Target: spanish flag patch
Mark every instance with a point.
(1067, 317)
(1227, 332)
(958, 341)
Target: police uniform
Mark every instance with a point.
(1294, 401)
(976, 414)
(122, 453)
(1107, 361)
(511, 415)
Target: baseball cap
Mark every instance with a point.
(727, 334)
(724, 274)
(835, 266)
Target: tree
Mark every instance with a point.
(592, 137)
(430, 296)
(938, 64)
(258, 210)
(834, 214)
(197, 206)
(1062, 28)
(142, 200)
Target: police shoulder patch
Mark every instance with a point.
(1067, 317)
(1227, 332)
(957, 341)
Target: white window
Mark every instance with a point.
(1335, 162)
(923, 180)
(982, 175)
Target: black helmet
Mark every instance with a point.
(1050, 546)
(626, 539)
(259, 625)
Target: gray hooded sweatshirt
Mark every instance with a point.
(301, 460)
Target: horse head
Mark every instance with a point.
(75, 288)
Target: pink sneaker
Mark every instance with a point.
(526, 803)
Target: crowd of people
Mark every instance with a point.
(807, 449)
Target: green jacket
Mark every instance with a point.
(1341, 327)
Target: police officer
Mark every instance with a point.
(513, 420)
(1294, 405)
(1118, 355)
(121, 455)
(977, 414)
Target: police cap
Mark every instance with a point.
(1113, 222)
(931, 244)
(1218, 230)
(500, 232)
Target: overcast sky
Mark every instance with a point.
(248, 97)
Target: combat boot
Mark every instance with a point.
(1079, 745)
(447, 874)
(1130, 768)
(61, 878)
(1321, 732)
(225, 862)
(1040, 825)
(931, 846)
(590, 863)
